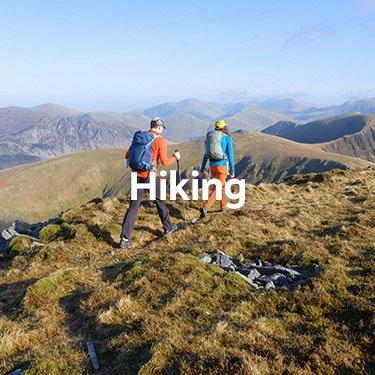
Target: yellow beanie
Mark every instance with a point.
(220, 124)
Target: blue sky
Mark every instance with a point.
(119, 55)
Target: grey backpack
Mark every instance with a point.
(214, 151)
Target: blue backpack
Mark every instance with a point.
(141, 152)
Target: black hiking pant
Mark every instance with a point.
(132, 212)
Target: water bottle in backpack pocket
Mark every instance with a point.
(140, 156)
(214, 150)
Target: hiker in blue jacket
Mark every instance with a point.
(219, 150)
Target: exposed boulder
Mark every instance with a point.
(260, 275)
(21, 228)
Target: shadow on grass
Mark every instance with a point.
(155, 232)
(11, 296)
(270, 250)
(127, 359)
(110, 273)
(101, 234)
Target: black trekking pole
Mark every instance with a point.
(178, 169)
(178, 181)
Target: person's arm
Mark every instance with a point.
(127, 153)
(204, 162)
(163, 154)
(230, 156)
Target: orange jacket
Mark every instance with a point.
(159, 154)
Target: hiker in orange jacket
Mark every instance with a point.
(219, 167)
(159, 157)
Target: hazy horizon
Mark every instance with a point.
(139, 109)
(122, 55)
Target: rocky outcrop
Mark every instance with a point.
(68, 135)
(21, 228)
(261, 275)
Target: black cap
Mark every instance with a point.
(157, 121)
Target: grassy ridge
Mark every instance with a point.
(157, 309)
(350, 134)
(39, 191)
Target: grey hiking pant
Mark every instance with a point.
(132, 212)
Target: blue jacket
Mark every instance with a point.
(227, 146)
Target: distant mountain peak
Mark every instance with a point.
(54, 109)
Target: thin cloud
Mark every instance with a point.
(308, 33)
(358, 94)
(367, 6)
(234, 95)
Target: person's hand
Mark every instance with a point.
(177, 155)
(231, 175)
(202, 174)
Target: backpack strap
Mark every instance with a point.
(154, 163)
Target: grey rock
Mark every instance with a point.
(276, 268)
(205, 259)
(287, 271)
(250, 282)
(279, 279)
(6, 234)
(254, 285)
(13, 232)
(36, 244)
(23, 227)
(270, 285)
(264, 279)
(17, 372)
(225, 261)
(3, 246)
(92, 354)
(258, 276)
(253, 274)
(316, 269)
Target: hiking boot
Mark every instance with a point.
(125, 243)
(171, 230)
(203, 210)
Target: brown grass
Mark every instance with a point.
(157, 309)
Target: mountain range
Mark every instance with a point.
(352, 134)
(49, 130)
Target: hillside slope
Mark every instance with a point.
(157, 309)
(14, 119)
(35, 192)
(40, 190)
(196, 115)
(251, 118)
(359, 145)
(264, 158)
(67, 135)
(365, 106)
(198, 108)
(12, 160)
(184, 127)
(49, 130)
(352, 135)
(286, 106)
